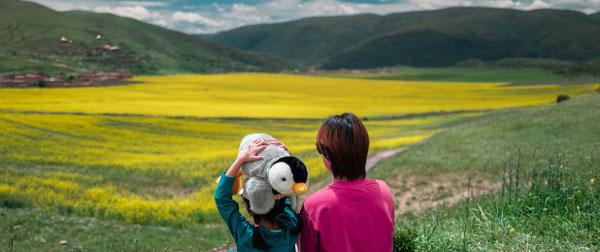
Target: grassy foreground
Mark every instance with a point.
(26, 229)
(542, 165)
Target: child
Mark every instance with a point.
(276, 230)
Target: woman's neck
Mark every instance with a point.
(340, 179)
(269, 225)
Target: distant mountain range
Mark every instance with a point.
(33, 37)
(424, 38)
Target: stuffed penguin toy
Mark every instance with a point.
(277, 175)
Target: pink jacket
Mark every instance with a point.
(347, 216)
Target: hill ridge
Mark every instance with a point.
(33, 31)
(424, 38)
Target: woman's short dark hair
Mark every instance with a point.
(344, 141)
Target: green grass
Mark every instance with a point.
(516, 71)
(555, 208)
(570, 126)
(460, 75)
(37, 230)
(544, 159)
(13, 64)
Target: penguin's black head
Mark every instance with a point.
(289, 175)
(298, 168)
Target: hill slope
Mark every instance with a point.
(307, 41)
(595, 16)
(425, 38)
(30, 39)
(532, 216)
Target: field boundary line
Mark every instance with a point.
(365, 118)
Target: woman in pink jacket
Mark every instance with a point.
(353, 213)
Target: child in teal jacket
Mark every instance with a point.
(276, 230)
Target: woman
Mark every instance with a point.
(353, 213)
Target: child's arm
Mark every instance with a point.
(228, 208)
(289, 218)
(288, 209)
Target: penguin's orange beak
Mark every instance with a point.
(299, 188)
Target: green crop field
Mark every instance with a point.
(460, 75)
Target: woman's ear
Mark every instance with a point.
(327, 163)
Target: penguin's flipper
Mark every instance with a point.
(260, 194)
(237, 184)
(296, 203)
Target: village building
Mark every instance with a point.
(65, 40)
(55, 81)
(40, 79)
(111, 48)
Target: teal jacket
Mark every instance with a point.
(242, 230)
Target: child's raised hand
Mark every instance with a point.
(249, 154)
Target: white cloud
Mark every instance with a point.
(191, 17)
(246, 14)
(537, 4)
(137, 12)
(218, 7)
(62, 5)
(144, 3)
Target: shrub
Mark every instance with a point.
(9, 203)
(41, 83)
(404, 240)
(561, 98)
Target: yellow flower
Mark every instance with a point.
(512, 230)
(592, 180)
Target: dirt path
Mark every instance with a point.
(373, 159)
(419, 192)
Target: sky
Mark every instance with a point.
(211, 16)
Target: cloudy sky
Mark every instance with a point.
(210, 16)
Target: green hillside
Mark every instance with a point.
(540, 167)
(425, 38)
(307, 41)
(30, 39)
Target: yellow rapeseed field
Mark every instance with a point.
(281, 96)
(141, 169)
(144, 169)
